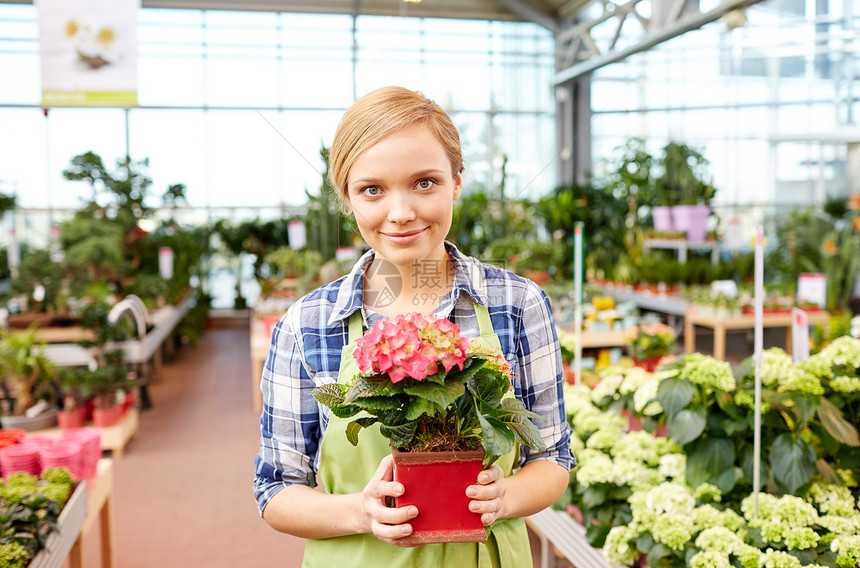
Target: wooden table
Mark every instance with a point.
(99, 492)
(682, 246)
(721, 325)
(113, 438)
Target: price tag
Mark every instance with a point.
(812, 289)
(799, 335)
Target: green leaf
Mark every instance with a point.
(352, 430)
(345, 411)
(805, 407)
(370, 386)
(378, 403)
(657, 552)
(827, 472)
(455, 375)
(792, 461)
(747, 463)
(594, 496)
(675, 394)
(644, 543)
(487, 387)
(514, 406)
(833, 421)
(441, 395)
(596, 535)
(399, 435)
(709, 459)
(498, 439)
(528, 434)
(419, 406)
(687, 425)
(734, 427)
(329, 394)
(727, 479)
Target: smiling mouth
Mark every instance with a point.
(403, 237)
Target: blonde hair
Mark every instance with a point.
(380, 113)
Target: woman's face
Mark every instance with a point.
(402, 194)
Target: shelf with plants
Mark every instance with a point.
(685, 497)
(40, 518)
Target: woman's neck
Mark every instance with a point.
(391, 289)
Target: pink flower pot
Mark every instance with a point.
(72, 418)
(662, 216)
(693, 219)
(436, 482)
(106, 417)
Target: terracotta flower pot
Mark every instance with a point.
(106, 417)
(436, 482)
(72, 418)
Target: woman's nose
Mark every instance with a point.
(401, 207)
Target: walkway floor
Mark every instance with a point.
(182, 495)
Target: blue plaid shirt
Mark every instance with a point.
(306, 350)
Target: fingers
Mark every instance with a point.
(387, 523)
(488, 494)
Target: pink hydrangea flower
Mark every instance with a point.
(411, 345)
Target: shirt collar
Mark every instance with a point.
(468, 278)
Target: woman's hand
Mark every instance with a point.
(388, 524)
(488, 495)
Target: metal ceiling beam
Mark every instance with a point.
(679, 23)
(531, 14)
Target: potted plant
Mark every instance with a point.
(648, 343)
(434, 396)
(26, 369)
(75, 392)
(684, 185)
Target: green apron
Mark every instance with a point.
(345, 468)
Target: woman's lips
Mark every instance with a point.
(403, 238)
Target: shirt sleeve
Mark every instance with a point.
(290, 422)
(542, 378)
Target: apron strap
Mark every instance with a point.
(356, 327)
(485, 325)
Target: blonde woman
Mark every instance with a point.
(396, 164)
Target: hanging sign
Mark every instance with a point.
(812, 289)
(165, 262)
(89, 52)
(297, 235)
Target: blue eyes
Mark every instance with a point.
(423, 184)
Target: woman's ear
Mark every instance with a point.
(458, 186)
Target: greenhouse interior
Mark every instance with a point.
(650, 231)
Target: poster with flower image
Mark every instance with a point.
(89, 52)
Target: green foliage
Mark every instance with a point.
(24, 366)
(13, 555)
(683, 177)
(37, 268)
(467, 405)
(603, 215)
(326, 225)
(104, 240)
(29, 511)
(809, 240)
(482, 218)
(7, 203)
(93, 249)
